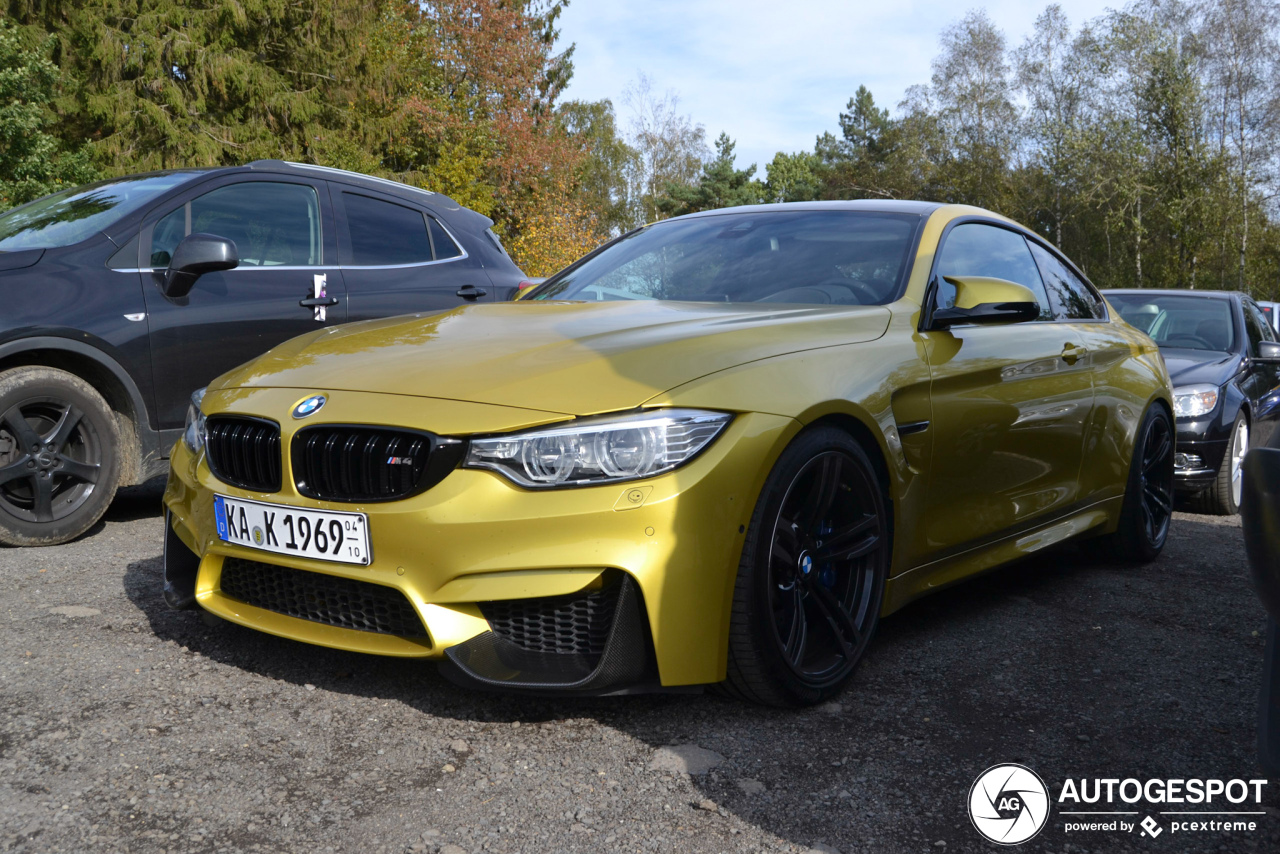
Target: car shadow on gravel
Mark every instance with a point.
(136, 502)
(1074, 667)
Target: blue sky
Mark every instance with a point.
(772, 73)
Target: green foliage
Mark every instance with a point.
(1141, 143)
(719, 186)
(457, 95)
(607, 162)
(793, 177)
(32, 160)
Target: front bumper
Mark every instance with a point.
(475, 537)
(1197, 461)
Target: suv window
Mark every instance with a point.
(1072, 298)
(272, 224)
(384, 234)
(1255, 326)
(976, 249)
(442, 242)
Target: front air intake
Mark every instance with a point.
(320, 598)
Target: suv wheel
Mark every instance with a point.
(59, 466)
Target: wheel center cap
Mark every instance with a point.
(45, 459)
(805, 563)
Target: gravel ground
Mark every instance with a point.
(127, 727)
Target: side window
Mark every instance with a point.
(166, 236)
(443, 243)
(383, 233)
(272, 224)
(976, 249)
(1255, 326)
(1072, 299)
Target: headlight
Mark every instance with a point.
(193, 435)
(1193, 400)
(599, 450)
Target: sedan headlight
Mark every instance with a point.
(1193, 400)
(193, 435)
(599, 450)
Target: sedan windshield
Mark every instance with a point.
(72, 215)
(808, 257)
(1189, 322)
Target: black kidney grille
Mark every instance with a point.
(357, 463)
(321, 598)
(578, 623)
(244, 452)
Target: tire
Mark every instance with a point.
(1147, 510)
(59, 461)
(802, 617)
(1222, 498)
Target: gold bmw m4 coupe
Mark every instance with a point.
(716, 450)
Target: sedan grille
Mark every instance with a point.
(578, 623)
(334, 462)
(320, 598)
(244, 452)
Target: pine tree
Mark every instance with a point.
(33, 162)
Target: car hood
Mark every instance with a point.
(576, 358)
(1194, 367)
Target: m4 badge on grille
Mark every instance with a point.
(400, 461)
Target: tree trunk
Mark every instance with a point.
(1138, 243)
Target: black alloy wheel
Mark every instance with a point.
(1156, 481)
(1147, 511)
(812, 580)
(58, 467)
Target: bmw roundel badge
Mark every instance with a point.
(310, 406)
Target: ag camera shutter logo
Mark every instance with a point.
(1009, 804)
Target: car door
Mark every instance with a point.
(1079, 308)
(283, 230)
(1009, 402)
(1261, 376)
(398, 258)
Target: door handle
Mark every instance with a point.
(1070, 353)
(471, 292)
(313, 302)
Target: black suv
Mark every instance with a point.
(123, 297)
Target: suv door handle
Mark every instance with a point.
(471, 292)
(1070, 353)
(312, 302)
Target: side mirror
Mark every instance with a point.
(196, 255)
(1268, 351)
(981, 299)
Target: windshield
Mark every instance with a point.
(810, 257)
(72, 215)
(1189, 322)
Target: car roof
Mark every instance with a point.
(382, 185)
(876, 205)
(1183, 292)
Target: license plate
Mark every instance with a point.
(317, 534)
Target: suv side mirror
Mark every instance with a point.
(196, 255)
(982, 299)
(1268, 351)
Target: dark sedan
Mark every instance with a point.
(1224, 362)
